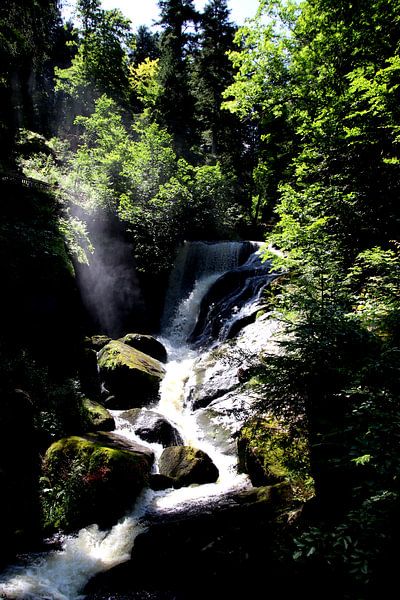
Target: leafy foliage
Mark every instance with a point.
(327, 73)
(100, 65)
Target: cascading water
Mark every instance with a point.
(196, 294)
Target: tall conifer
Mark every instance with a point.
(176, 103)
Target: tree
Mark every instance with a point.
(329, 72)
(176, 102)
(146, 45)
(27, 37)
(261, 95)
(144, 81)
(212, 73)
(100, 65)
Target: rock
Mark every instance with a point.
(88, 373)
(272, 496)
(231, 544)
(222, 370)
(269, 453)
(153, 427)
(159, 482)
(97, 342)
(212, 377)
(146, 344)
(97, 417)
(94, 478)
(129, 375)
(187, 465)
(118, 442)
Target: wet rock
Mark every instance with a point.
(146, 344)
(159, 482)
(224, 417)
(130, 375)
(212, 378)
(91, 478)
(97, 417)
(153, 427)
(239, 535)
(220, 316)
(187, 465)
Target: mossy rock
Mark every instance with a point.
(146, 344)
(269, 452)
(91, 479)
(130, 375)
(97, 342)
(97, 417)
(277, 496)
(187, 465)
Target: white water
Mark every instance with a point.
(62, 575)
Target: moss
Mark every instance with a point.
(130, 375)
(96, 416)
(270, 453)
(187, 465)
(116, 354)
(84, 481)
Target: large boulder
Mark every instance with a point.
(233, 545)
(152, 427)
(269, 452)
(131, 376)
(146, 344)
(97, 417)
(187, 465)
(92, 479)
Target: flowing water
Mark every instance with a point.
(61, 575)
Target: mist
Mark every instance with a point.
(109, 285)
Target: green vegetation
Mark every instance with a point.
(84, 481)
(271, 453)
(328, 77)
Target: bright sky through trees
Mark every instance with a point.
(144, 12)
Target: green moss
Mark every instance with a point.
(84, 481)
(282, 454)
(97, 417)
(116, 354)
(132, 377)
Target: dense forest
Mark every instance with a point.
(119, 146)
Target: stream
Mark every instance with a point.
(203, 310)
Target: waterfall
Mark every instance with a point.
(213, 288)
(197, 267)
